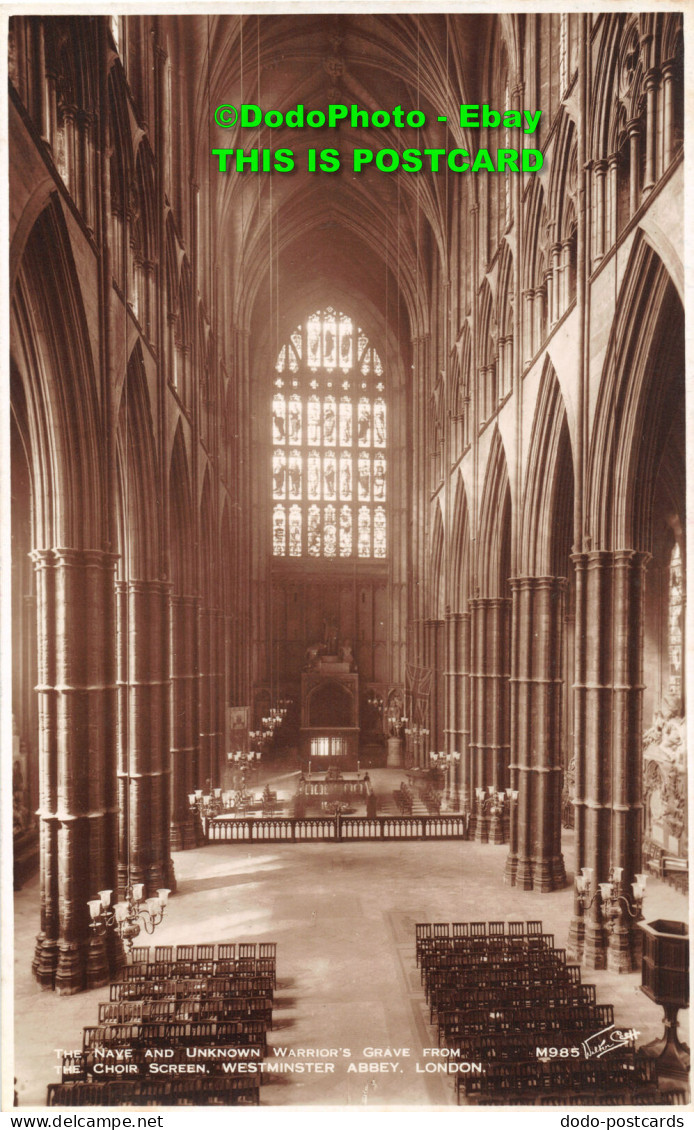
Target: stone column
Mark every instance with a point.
(211, 698)
(668, 73)
(204, 701)
(484, 384)
(608, 744)
(629, 586)
(508, 380)
(217, 750)
(464, 710)
(565, 275)
(184, 718)
(427, 743)
(535, 860)
(500, 372)
(529, 320)
(144, 735)
(554, 284)
(539, 310)
(458, 704)
(651, 84)
(634, 131)
(489, 693)
(611, 218)
(77, 774)
(450, 691)
(439, 684)
(600, 170)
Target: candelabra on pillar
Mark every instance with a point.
(491, 817)
(415, 738)
(127, 917)
(616, 910)
(443, 765)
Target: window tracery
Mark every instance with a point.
(329, 437)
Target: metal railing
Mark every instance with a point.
(337, 828)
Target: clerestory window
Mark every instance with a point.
(329, 459)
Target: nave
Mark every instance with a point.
(378, 469)
(343, 917)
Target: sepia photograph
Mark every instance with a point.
(344, 571)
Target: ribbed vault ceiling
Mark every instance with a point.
(365, 233)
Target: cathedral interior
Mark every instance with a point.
(347, 503)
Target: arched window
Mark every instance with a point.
(329, 459)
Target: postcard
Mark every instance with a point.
(344, 532)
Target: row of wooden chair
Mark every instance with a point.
(175, 1033)
(404, 799)
(647, 1097)
(494, 945)
(449, 990)
(187, 1008)
(505, 976)
(477, 929)
(448, 1003)
(504, 998)
(505, 934)
(547, 960)
(627, 1073)
(207, 952)
(540, 1018)
(216, 998)
(170, 987)
(212, 967)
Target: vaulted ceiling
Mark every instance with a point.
(365, 235)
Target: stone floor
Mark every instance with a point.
(343, 916)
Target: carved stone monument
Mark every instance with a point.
(665, 784)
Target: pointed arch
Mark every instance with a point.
(563, 184)
(228, 578)
(121, 158)
(547, 515)
(137, 468)
(437, 577)
(172, 268)
(461, 391)
(181, 524)
(498, 188)
(488, 339)
(563, 207)
(642, 392)
(505, 303)
(460, 563)
(49, 338)
(208, 541)
(494, 549)
(145, 179)
(605, 82)
(535, 270)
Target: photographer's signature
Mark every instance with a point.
(606, 1040)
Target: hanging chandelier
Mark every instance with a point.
(127, 917)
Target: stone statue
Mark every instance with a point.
(330, 636)
(665, 740)
(313, 654)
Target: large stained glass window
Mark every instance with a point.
(329, 436)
